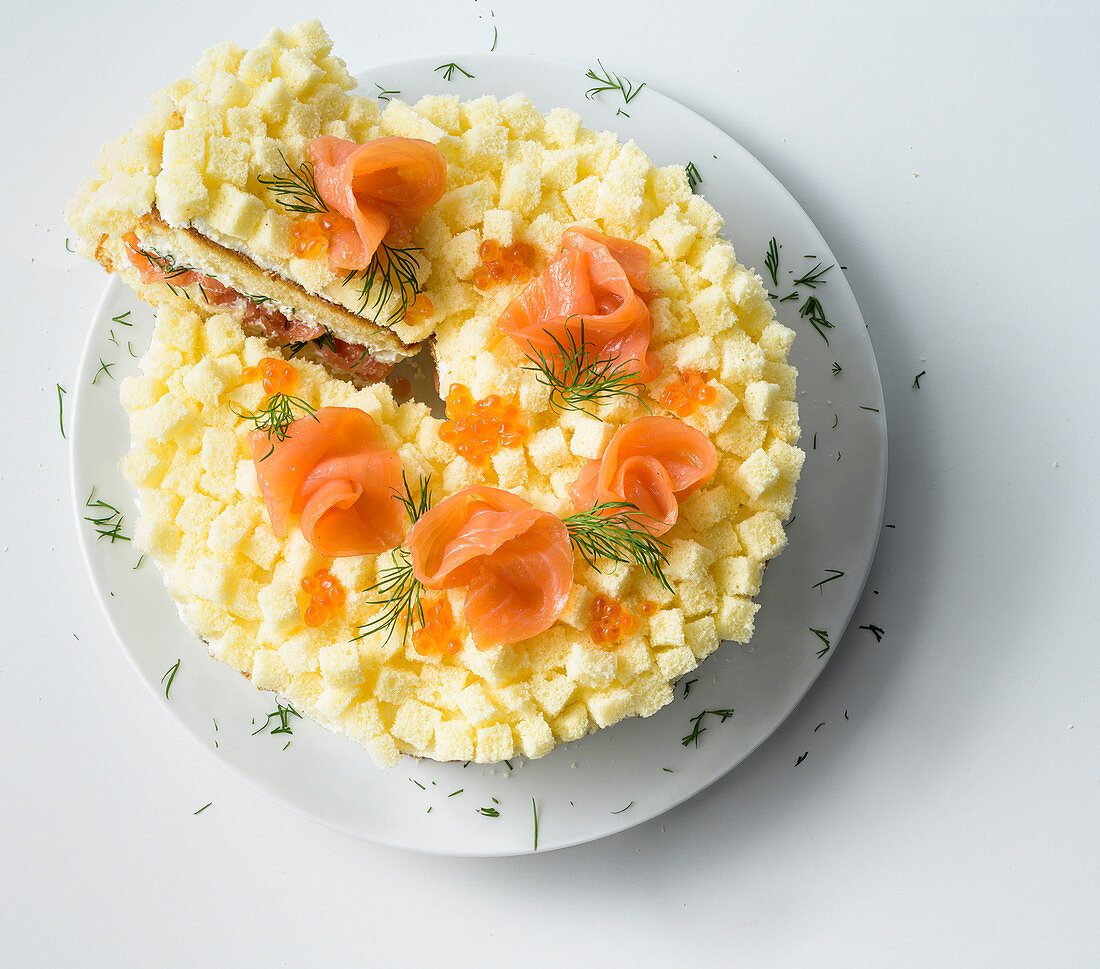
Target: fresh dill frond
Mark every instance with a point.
(697, 728)
(620, 811)
(578, 377)
(170, 676)
(610, 81)
(489, 812)
(122, 318)
(495, 35)
(823, 635)
(390, 274)
(877, 631)
(166, 264)
(297, 190)
(837, 368)
(449, 70)
(108, 524)
(276, 417)
(535, 815)
(419, 505)
(771, 260)
(916, 379)
(693, 176)
(383, 94)
(104, 368)
(813, 277)
(836, 574)
(813, 311)
(61, 391)
(204, 807)
(283, 713)
(399, 594)
(612, 530)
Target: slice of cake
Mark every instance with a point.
(227, 193)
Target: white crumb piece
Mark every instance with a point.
(762, 536)
(610, 706)
(735, 619)
(666, 628)
(572, 723)
(494, 744)
(591, 667)
(758, 472)
(415, 723)
(340, 665)
(760, 397)
(454, 740)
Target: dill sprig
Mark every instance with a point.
(610, 81)
(697, 728)
(166, 264)
(170, 676)
(276, 417)
(61, 408)
(104, 368)
(383, 94)
(421, 503)
(836, 574)
(399, 594)
(823, 635)
(283, 714)
(109, 522)
(813, 277)
(296, 191)
(398, 589)
(837, 368)
(489, 812)
(693, 176)
(771, 260)
(579, 377)
(813, 311)
(612, 530)
(449, 69)
(535, 815)
(916, 379)
(391, 273)
(877, 631)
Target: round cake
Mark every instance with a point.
(587, 597)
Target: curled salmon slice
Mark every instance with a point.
(337, 474)
(382, 188)
(652, 462)
(596, 281)
(515, 561)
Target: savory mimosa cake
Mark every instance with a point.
(593, 516)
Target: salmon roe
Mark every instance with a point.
(610, 621)
(420, 309)
(312, 236)
(684, 396)
(326, 595)
(477, 428)
(502, 263)
(439, 634)
(648, 607)
(279, 376)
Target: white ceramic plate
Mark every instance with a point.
(618, 777)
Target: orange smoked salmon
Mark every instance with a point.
(381, 188)
(595, 280)
(515, 561)
(652, 462)
(338, 475)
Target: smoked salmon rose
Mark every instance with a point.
(514, 560)
(654, 463)
(333, 469)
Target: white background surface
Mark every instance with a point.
(950, 821)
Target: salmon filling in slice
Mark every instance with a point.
(381, 188)
(353, 360)
(333, 469)
(515, 561)
(595, 282)
(654, 463)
